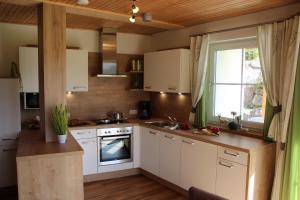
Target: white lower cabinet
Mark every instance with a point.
(231, 180)
(150, 150)
(89, 155)
(169, 157)
(198, 165)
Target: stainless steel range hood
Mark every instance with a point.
(108, 50)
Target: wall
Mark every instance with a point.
(104, 95)
(180, 38)
(169, 104)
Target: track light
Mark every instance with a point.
(135, 9)
(132, 19)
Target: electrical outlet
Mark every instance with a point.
(133, 112)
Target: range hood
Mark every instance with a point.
(108, 50)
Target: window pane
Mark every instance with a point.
(229, 66)
(227, 99)
(253, 103)
(252, 70)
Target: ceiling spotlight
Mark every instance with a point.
(83, 2)
(132, 19)
(135, 9)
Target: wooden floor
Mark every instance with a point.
(129, 188)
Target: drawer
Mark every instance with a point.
(233, 155)
(84, 133)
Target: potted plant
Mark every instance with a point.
(60, 118)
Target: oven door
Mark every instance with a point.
(114, 149)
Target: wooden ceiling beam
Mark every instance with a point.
(97, 13)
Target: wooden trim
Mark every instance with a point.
(165, 183)
(111, 175)
(52, 63)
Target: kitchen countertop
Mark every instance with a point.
(225, 139)
(31, 143)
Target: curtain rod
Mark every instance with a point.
(242, 27)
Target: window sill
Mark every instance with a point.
(254, 133)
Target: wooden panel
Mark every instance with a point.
(10, 13)
(186, 12)
(52, 63)
(50, 178)
(174, 105)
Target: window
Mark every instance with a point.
(236, 82)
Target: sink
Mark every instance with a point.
(164, 124)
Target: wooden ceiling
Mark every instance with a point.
(167, 14)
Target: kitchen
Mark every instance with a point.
(136, 102)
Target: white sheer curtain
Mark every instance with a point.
(278, 47)
(198, 68)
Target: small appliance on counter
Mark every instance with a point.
(144, 110)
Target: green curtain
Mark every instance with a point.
(291, 179)
(267, 121)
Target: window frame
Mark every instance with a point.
(226, 45)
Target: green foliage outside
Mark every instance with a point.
(251, 54)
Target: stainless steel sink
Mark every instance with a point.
(164, 124)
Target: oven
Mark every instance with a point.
(115, 145)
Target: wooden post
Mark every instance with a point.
(52, 63)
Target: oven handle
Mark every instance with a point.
(110, 138)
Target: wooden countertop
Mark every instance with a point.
(31, 143)
(225, 139)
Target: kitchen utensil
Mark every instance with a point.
(118, 116)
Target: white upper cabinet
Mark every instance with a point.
(167, 71)
(29, 68)
(77, 69)
(198, 165)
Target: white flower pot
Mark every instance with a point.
(62, 138)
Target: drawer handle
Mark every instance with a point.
(225, 165)
(78, 87)
(231, 154)
(147, 87)
(9, 139)
(9, 150)
(170, 137)
(152, 132)
(187, 142)
(88, 142)
(172, 88)
(81, 133)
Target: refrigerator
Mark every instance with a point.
(10, 127)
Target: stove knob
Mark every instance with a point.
(108, 131)
(117, 131)
(105, 132)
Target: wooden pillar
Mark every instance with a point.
(52, 63)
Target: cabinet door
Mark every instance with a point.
(169, 157)
(136, 146)
(198, 165)
(231, 180)
(77, 70)
(28, 61)
(150, 150)
(8, 165)
(89, 155)
(152, 72)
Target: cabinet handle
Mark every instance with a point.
(231, 154)
(78, 87)
(170, 137)
(147, 87)
(172, 88)
(152, 132)
(187, 142)
(225, 165)
(9, 139)
(82, 133)
(88, 142)
(9, 150)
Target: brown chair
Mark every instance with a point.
(197, 194)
